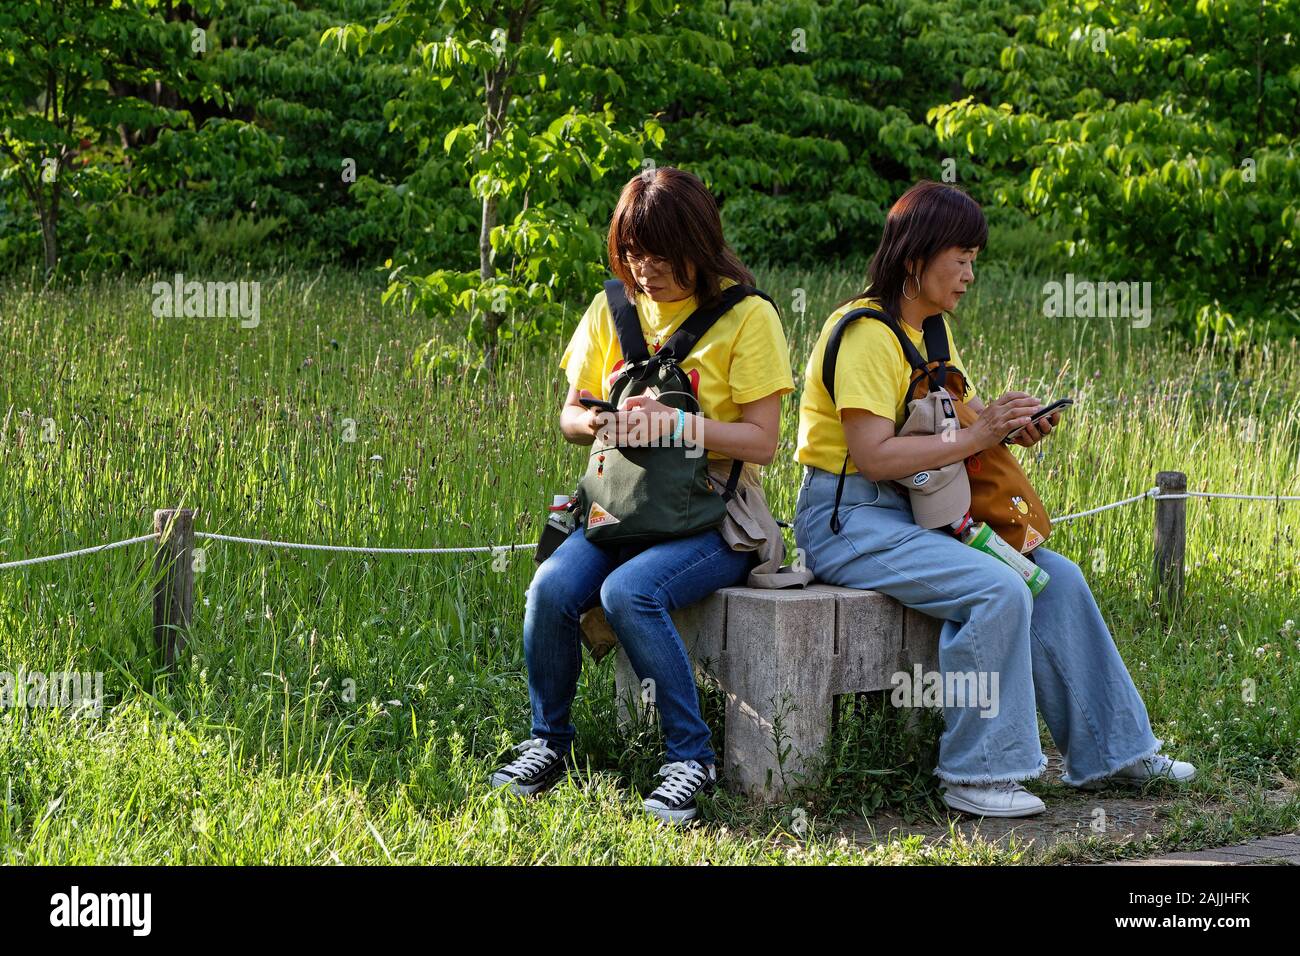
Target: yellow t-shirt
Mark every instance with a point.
(743, 358)
(871, 373)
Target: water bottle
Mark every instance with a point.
(983, 538)
(559, 525)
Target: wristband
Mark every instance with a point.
(681, 424)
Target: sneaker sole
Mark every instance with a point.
(672, 816)
(964, 806)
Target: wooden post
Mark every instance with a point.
(1170, 538)
(173, 596)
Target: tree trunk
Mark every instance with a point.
(50, 230)
(491, 320)
(497, 100)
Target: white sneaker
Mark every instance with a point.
(1140, 771)
(1151, 768)
(1008, 799)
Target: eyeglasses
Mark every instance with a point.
(653, 261)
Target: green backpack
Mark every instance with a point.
(634, 495)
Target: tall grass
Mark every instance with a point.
(348, 707)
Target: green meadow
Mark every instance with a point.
(348, 708)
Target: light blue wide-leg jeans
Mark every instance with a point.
(1053, 651)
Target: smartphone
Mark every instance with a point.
(600, 403)
(1042, 413)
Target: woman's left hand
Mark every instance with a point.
(1035, 432)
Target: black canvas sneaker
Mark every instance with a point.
(673, 801)
(536, 768)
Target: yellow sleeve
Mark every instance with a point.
(956, 360)
(584, 358)
(760, 356)
(869, 371)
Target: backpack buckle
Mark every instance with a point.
(639, 371)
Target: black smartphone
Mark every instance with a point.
(1042, 413)
(599, 403)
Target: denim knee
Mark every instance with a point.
(1065, 572)
(1007, 591)
(555, 591)
(622, 600)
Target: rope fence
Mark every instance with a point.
(1151, 493)
(263, 542)
(78, 553)
(497, 548)
(174, 534)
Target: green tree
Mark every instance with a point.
(542, 137)
(819, 122)
(299, 126)
(60, 62)
(1162, 137)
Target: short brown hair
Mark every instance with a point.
(927, 219)
(668, 213)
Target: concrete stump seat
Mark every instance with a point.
(789, 653)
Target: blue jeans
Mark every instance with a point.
(637, 585)
(1053, 650)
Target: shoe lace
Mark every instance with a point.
(681, 779)
(1007, 786)
(533, 757)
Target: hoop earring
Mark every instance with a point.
(910, 298)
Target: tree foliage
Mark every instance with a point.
(474, 149)
(1163, 138)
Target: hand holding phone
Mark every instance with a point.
(590, 401)
(1038, 416)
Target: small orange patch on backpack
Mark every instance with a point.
(597, 516)
(1032, 539)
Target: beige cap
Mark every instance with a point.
(939, 496)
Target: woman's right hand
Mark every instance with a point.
(590, 421)
(580, 424)
(1003, 415)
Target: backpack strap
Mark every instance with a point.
(737, 466)
(626, 323)
(637, 357)
(936, 347)
(679, 345)
(683, 341)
